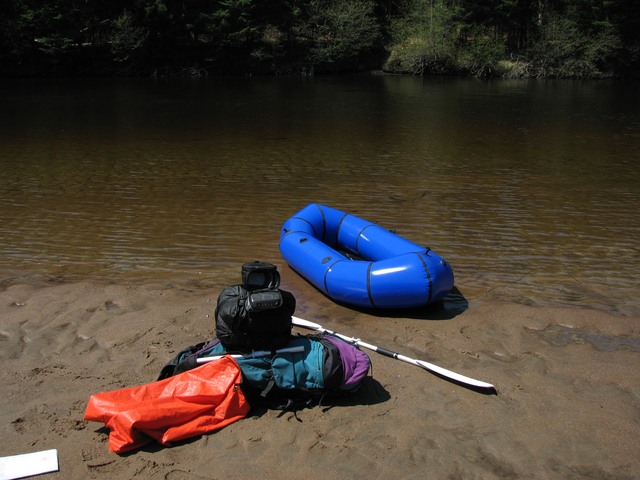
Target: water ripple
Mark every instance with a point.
(524, 204)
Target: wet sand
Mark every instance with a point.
(567, 402)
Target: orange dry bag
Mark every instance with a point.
(198, 401)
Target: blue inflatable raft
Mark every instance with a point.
(388, 271)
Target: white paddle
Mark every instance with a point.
(254, 354)
(388, 353)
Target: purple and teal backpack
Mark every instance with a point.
(325, 367)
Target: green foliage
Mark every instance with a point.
(507, 37)
(425, 39)
(564, 49)
(14, 43)
(54, 29)
(126, 38)
(234, 23)
(481, 55)
(341, 29)
(565, 38)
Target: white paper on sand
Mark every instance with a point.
(27, 464)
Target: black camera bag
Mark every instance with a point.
(252, 318)
(240, 329)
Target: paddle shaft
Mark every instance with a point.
(254, 354)
(388, 353)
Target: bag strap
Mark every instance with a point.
(186, 359)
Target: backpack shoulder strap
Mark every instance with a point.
(186, 359)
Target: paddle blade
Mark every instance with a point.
(443, 372)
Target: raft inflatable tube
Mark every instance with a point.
(388, 271)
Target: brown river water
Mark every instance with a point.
(529, 188)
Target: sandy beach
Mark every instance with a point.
(567, 403)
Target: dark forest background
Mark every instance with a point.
(510, 38)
